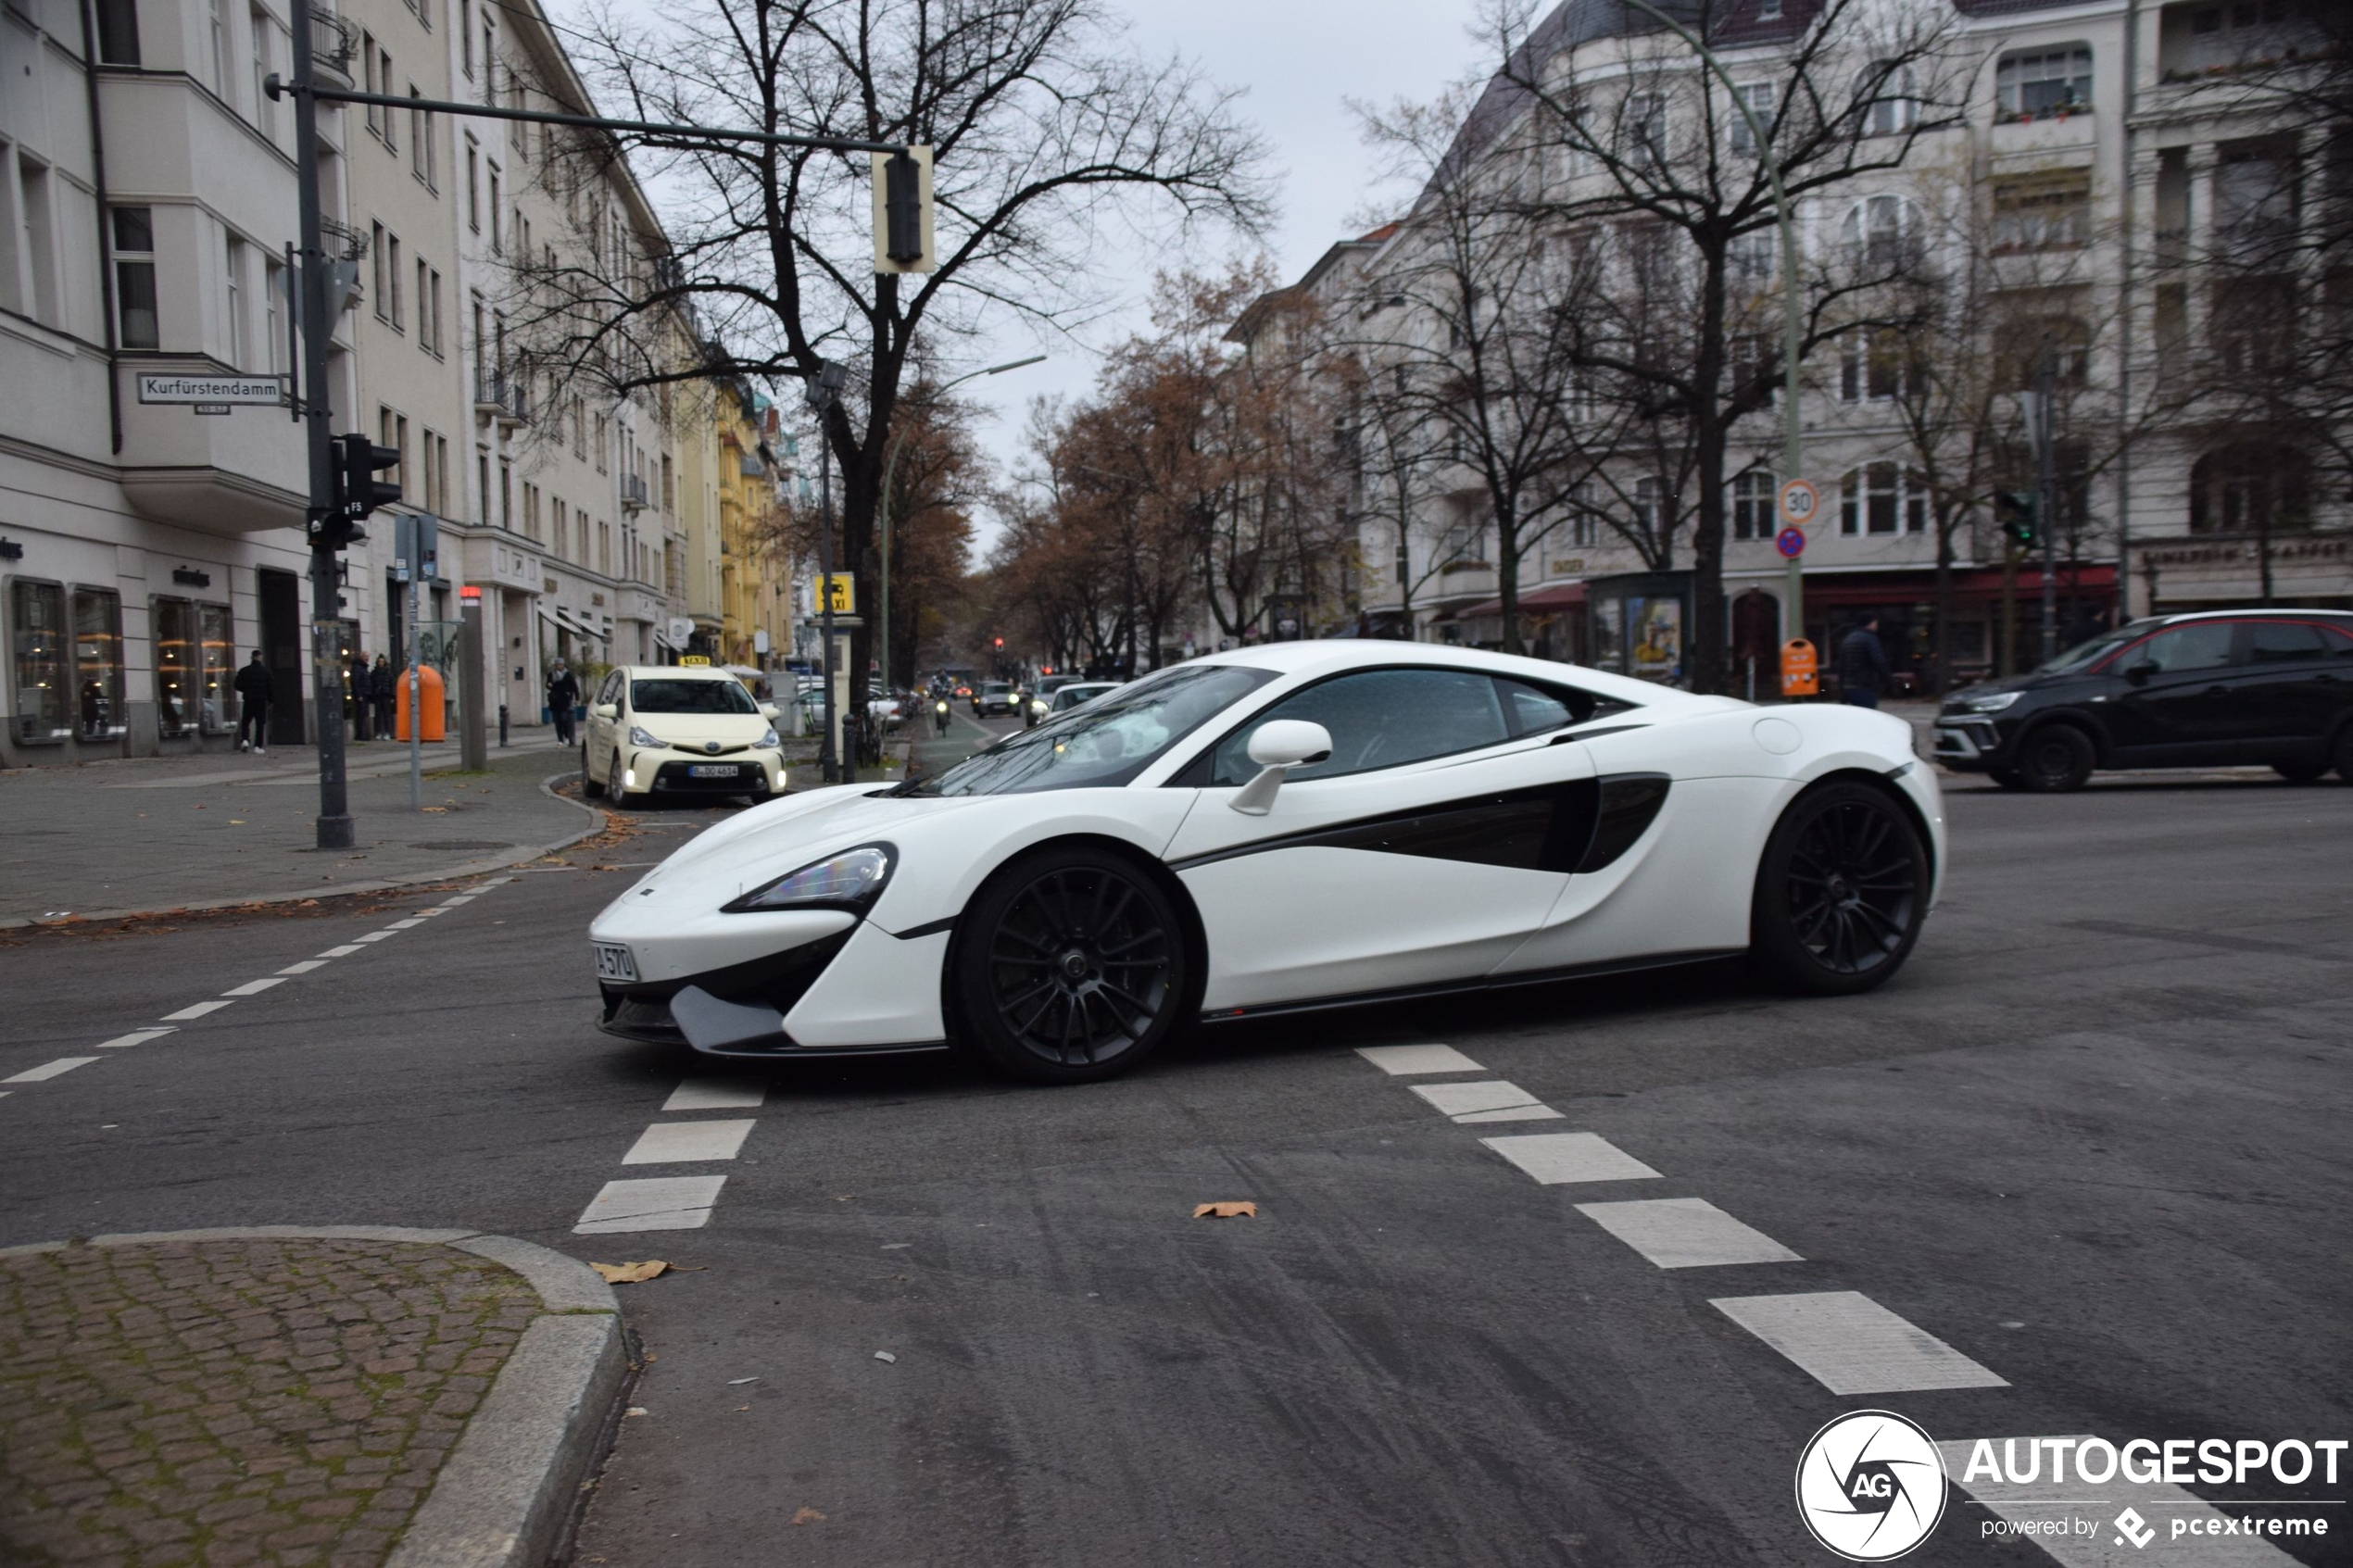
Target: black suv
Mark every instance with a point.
(2218, 688)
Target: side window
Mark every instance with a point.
(2285, 642)
(1534, 708)
(611, 690)
(2340, 643)
(1379, 719)
(2204, 646)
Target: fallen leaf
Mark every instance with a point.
(307, 903)
(632, 1273)
(1226, 1210)
(807, 1516)
(742, 1407)
(634, 1410)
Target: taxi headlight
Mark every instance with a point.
(851, 880)
(638, 737)
(767, 741)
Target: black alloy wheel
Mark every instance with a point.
(2055, 760)
(1071, 966)
(1841, 892)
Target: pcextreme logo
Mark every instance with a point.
(1870, 1485)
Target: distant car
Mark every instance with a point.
(995, 696)
(2209, 689)
(678, 730)
(1071, 696)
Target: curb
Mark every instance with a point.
(506, 1494)
(514, 857)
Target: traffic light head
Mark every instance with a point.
(358, 490)
(2015, 509)
(1000, 642)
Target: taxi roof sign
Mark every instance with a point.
(693, 660)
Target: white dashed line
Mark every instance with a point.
(343, 952)
(671, 1143)
(198, 1010)
(47, 1070)
(1400, 1060)
(255, 988)
(136, 1037)
(2108, 1548)
(1850, 1344)
(655, 1203)
(402, 924)
(1463, 1101)
(715, 1094)
(305, 967)
(375, 936)
(1555, 1157)
(1686, 1233)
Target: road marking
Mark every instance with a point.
(1465, 1099)
(460, 898)
(1511, 1113)
(375, 936)
(197, 1011)
(715, 1094)
(670, 1143)
(255, 988)
(1686, 1233)
(402, 924)
(2107, 1549)
(50, 1070)
(1554, 1157)
(305, 967)
(136, 1037)
(1400, 1060)
(655, 1203)
(1850, 1344)
(343, 952)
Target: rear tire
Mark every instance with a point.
(2300, 773)
(1841, 892)
(1071, 966)
(2055, 760)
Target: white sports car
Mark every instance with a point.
(1298, 825)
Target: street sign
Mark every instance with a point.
(1791, 541)
(245, 392)
(1799, 501)
(840, 592)
(681, 628)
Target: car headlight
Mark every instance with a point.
(1994, 702)
(767, 741)
(1038, 705)
(851, 880)
(639, 737)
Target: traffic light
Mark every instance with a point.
(357, 491)
(902, 211)
(1001, 645)
(2014, 510)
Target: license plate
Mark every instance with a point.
(614, 961)
(711, 771)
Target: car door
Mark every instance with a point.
(2293, 684)
(2177, 708)
(1427, 847)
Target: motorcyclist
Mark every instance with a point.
(939, 716)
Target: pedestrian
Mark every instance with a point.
(563, 696)
(256, 691)
(2087, 624)
(384, 684)
(363, 698)
(1862, 664)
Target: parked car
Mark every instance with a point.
(678, 730)
(1069, 696)
(995, 696)
(2216, 689)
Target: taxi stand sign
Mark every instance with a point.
(837, 592)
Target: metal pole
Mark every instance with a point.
(416, 694)
(2045, 519)
(473, 754)
(829, 763)
(335, 827)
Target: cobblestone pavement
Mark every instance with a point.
(229, 1402)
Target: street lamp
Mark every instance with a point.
(890, 465)
(823, 393)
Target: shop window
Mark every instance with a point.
(216, 670)
(98, 663)
(178, 668)
(37, 633)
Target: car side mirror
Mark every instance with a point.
(1278, 748)
(606, 710)
(771, 712)
(2139, 674)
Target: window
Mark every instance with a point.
(1584, 515)
(563, 537)
(178, 670)
(273, 303)
(507, 495)
(2055, 80)
(1753, 511)
(1646, 518)
(1883, 99)
(473, 185)
(134, 277)
(217, 46)
(1752, 256)
(1876, 233)
(1758, 98)
(427, 459)
(420, 162)
(2253, 324)
(495, 246)
(2047, 214)
(233, 268)
(2255, 198)
(1755, 368)
(599, 447)
(383, 84)
(1873, 366)
(2286, 642)
(489, 65)
(371, 81)
(466, 38)
(2025, 337)
(1645, 128)
(529, 508)
(2250, 488)
(2202, 645)
(216, 670)
(392, 270)
(40, 244)
(392, 430)
(264, 111)
(1882, 499)
(118, 31)
(37, 613)
(1379, 719)
(98, 663)
(429, 309)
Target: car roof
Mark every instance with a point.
(1331, 655)
(2258, 612)
(686, 671)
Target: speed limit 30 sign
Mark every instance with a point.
(1799, 501)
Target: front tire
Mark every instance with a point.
(589, 786)
(1841, 892)
(614, 789)
(1071, 967)
(2055, 760)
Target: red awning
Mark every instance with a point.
(1985, 582)
(1561, 595)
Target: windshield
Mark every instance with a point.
(2082, 656)
(1103, 745)
(690, 696)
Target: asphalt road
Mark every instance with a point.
(2093, 1139)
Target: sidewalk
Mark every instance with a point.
(199, 832)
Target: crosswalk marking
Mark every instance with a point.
(1400, 1060)
(1555, 1157)
(49, 1069)
(715, 1094)
(1686, 1233)
(671, 1143)
(652, 1203)
(2158, 1503)
(1465, 1099)
(1511, 1113)
(1850, 1344)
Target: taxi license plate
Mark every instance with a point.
(614, 961)
(711, 771)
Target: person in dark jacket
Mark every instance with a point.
(363, 697)
(384, 685)
(1862, 664)
(256, 692)
(563, 696)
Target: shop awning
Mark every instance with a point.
(1969, 586)
(1536, 601)
(566, 620)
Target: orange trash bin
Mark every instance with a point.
(1801, 675)
(433, 705)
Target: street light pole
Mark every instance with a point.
(1793, 317)
(891, 466)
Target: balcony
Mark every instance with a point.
(634, 498)
(499, 397)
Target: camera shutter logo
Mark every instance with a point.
(1870, 1485)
